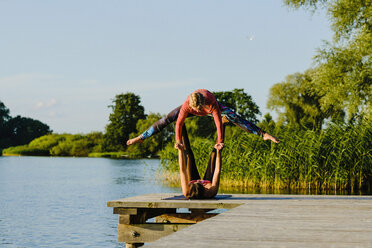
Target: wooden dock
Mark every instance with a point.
(251, 221)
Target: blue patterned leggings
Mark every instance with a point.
(225, 111)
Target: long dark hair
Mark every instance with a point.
(196, 191)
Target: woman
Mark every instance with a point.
(202, 102)
(192, 186)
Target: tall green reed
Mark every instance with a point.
(337, 158)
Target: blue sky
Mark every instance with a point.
(62, 62)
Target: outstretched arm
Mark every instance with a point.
(183, 173)
(217, 170)
(219, 125)
(213, 190)
(178, 130)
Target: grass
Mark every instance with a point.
(115, 155)
(338, 158)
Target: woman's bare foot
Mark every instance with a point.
(224, 119)
(134, 141)
(271, 137)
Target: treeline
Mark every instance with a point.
(18, 130)
(60, 145)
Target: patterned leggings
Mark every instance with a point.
(225, 111)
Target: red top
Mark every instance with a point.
(211, 108)
(204, 182)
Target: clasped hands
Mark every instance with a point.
(179, 146)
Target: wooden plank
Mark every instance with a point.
(178, 204)
(149, 232)
(130, 211)
(300, 222)
(124, 219)
(164, 201)
(182, 218)
(142, 215)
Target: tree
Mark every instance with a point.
(4, 132)
(4, 118)
(126, 111)
(240, 102)
(19, 130)
(301, 102)
(4, 113)
(157, 142)
(344, 74)
(95, 140)
(23, 130)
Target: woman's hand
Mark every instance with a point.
(179, 146)
(218, 146)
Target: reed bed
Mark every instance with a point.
(336, 159)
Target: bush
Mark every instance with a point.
(60, 145)
(25, 150)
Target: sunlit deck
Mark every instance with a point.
(251, 221)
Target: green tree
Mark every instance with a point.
(240, 102)
(23, 130)
(300, 102)
(153, 145)
(80, 148)
(344, 73)
(96, 139)
(4, 113)
(126, 111)
(19, 130)
(4, 118)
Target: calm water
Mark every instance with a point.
(61, 202)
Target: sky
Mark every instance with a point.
(63, 62)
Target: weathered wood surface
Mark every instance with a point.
(164, 201)
(261, 220)
(281, 221)
(137, 233)
(183, 218)
(226, 201)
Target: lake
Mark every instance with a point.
(61, 202)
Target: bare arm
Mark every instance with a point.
(220, 130)
(180, 122)
(213, 190)
(183, 173)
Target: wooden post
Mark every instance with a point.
(133, 229)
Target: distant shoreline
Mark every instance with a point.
(113, 155)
